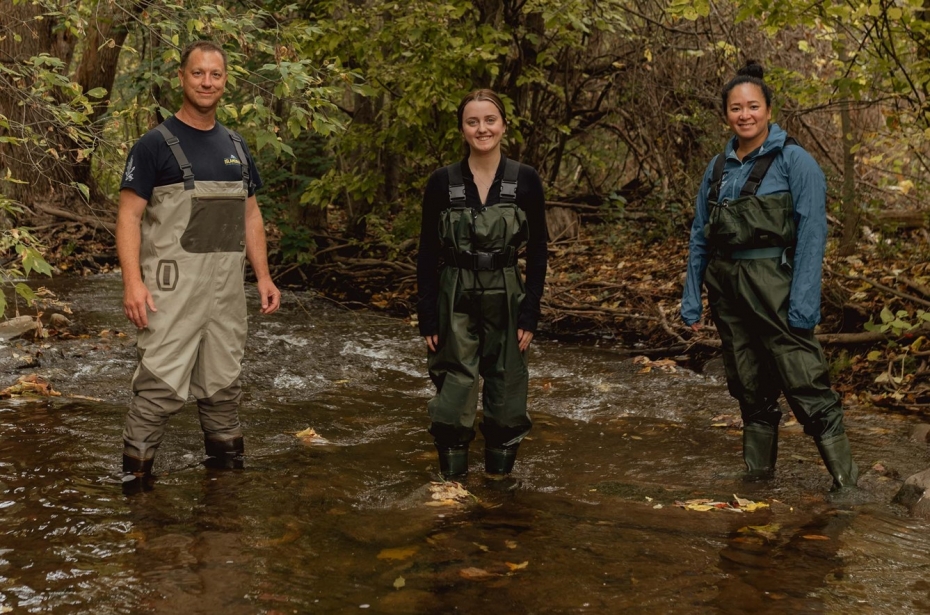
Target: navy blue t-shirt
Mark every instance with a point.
(212, 154)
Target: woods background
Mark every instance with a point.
(349, 105)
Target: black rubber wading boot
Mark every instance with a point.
(498, 464)
(453, 461)
(760, 450)
(137, 475)
(224, 454)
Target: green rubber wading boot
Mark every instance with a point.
(137, 475)
(224, 454)
(453, 460)
(837, 456)
(499, 460)
(760, 450)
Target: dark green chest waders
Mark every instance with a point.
(748, 283)
(192, 257)
(480, 292)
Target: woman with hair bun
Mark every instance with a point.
(475, 311)
(757, 243)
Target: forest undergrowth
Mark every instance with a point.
(616, 283)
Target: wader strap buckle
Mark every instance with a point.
(759, 253)
(480, 261)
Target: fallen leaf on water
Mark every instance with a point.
(310, 436)
(482, 547)
(476, 574)
(665, 365)
(748, 505)
(513, 566)
(30, 385)
(510, 544)
(815, 537)
(449, 490)
(399, 582)
(704, 505)
(398, 553)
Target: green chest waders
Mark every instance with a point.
(192, 258)
(479, 300)
(748, 283)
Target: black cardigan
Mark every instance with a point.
(530, 199)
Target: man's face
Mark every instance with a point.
(203, 80)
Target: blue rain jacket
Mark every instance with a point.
(794, 171)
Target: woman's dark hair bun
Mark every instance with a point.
(752, 69)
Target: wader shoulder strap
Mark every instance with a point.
(456, 184)
(509, 181)
(759, 168)
(179, 156)
(243, 161)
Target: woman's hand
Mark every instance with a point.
(432, 341)
(524, 337)
(696, 327)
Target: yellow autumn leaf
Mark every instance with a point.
(513, 566)
(400, 553)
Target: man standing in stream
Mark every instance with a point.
(188, 218)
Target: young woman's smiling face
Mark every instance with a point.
(748, 115)
(482, 126)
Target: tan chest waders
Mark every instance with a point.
(192, 257)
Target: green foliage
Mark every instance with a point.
(898, 323)
(29, 251)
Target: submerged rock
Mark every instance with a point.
(915, 494)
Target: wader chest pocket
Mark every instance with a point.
(752, 222)
(217, 224)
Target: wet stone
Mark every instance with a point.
(921, 433)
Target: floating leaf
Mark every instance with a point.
(399, 582)
(513, 566)
(476, 574)
(310, 436)
(815, 537)
(399, 553)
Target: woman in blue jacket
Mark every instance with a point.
(757, 243)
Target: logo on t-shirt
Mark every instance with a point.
(130, 170)
(231, 159)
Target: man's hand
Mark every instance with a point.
(432, 342)
(136, 298)
(270, 296)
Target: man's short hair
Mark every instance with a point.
(202, 46)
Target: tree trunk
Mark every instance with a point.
(850, 209)
(97, 69)
(41, 158)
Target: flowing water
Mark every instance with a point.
(343, 523)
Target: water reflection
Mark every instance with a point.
(344, 526)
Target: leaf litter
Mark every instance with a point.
(738, 504)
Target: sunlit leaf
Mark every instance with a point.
(399, 553)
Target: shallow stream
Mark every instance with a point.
(346, 525)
